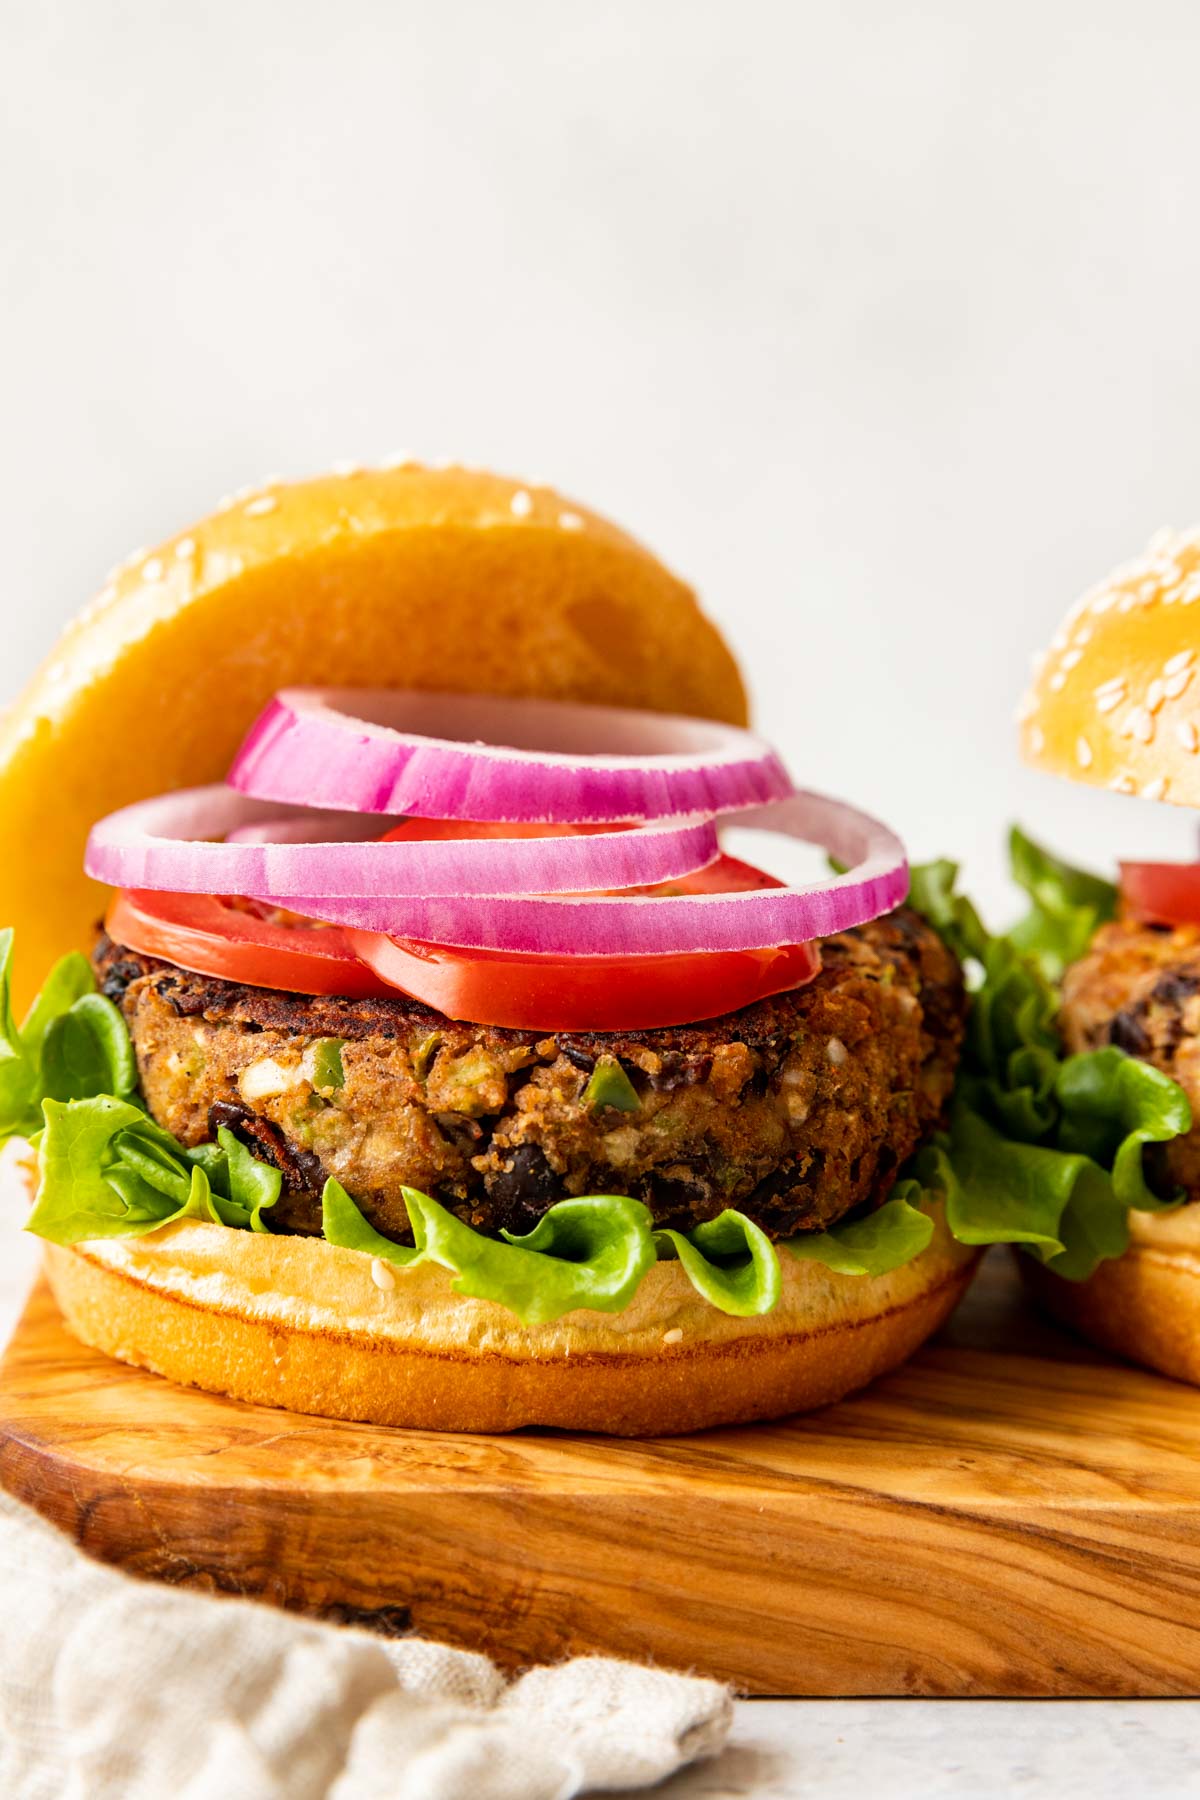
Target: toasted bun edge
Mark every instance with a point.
(296, 1323)
(1144, 1305)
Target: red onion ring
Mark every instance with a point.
(160, 844)
(474, 756)
(311, 828)
(625, 925)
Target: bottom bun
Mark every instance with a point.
(1145, 1304)
(298, 1323)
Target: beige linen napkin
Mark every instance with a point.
(114, 1689)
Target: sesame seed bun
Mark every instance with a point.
(298, 1323)
(1116, 699)
(400, 577)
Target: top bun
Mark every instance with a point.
(405, 576)
(1116, 700)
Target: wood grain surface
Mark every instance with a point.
(989, 1521)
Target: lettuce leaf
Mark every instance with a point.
(997, 1191)
(1112, 1107)
(102, 1175)
(1067, 906)
(588, 1252)
(875, 1244)
(932, 893)
(106, 1170)
(1043, 1150)
(729, 1261)
(581, 1253)
(24, 1052)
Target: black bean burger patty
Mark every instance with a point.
(797, 1110)
(1138, 987)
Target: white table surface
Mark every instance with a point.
(898, 1749)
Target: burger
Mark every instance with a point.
(1115, 703)
(434, 1064)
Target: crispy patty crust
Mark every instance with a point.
(1138, 987)
(797, 1110)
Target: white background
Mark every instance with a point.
(877, 320)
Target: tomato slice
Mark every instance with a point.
(241, 942)
(587, 993)
(251, 942)
(1165, 893)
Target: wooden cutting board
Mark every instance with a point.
(991, 1520)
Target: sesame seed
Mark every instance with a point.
(381, 1275)
(185, 548)
(1103, 601)
(1071, 658)
(107, 595)
(1127, 604)
(570, 521)
(399, 459)
(345, 468)
(674, 1336)
(1058, 681)
(837, 1052)
(1188, 736)
(245, 491)
(521, 504)
(1037, 740)
(1163, 539)
(1182, 660)
(152, 569)
(225, 502)
(1027, 708)
(1037, 661)
(1059, 641)
(270, 481)
(264, 504)
(1154, 696)
(1123, 784)
(1084, 635)
(1156, 789)
(55, 672)
(1109, 702)
(1175, 685)
(1141, 723)
(1106, 687)
(1083, 753)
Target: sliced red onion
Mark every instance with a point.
(161, 844)
(309, 827)
(617, 925)
(475, 756)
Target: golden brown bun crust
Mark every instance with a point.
(403, 577)
(1145, 1304)
(297, 1323)
(1116, 701)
